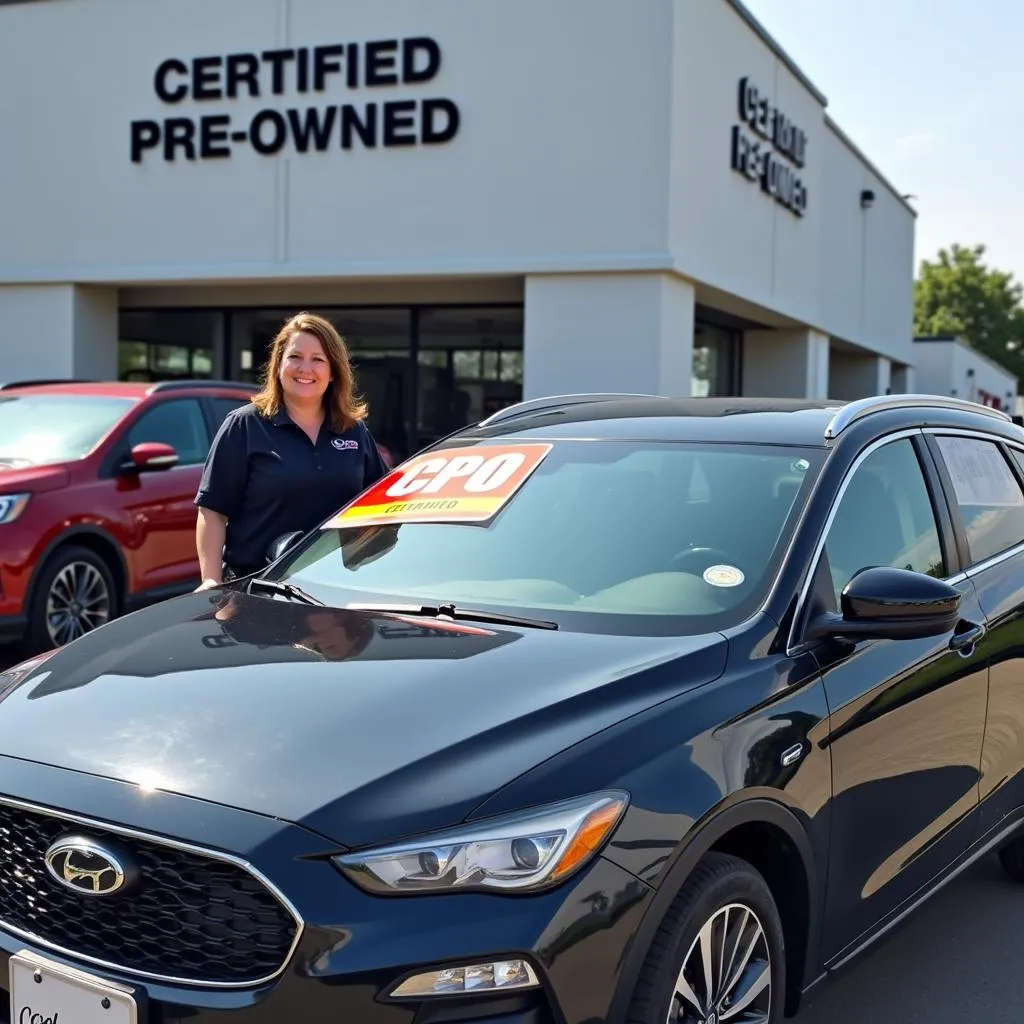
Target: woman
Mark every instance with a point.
(289, 460)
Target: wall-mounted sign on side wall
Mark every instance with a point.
(772, 151)
(301, 70)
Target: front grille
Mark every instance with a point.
(188, 917)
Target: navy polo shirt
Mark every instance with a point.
(269, 479)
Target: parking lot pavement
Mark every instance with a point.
(957, 959)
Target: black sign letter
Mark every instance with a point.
(432, 135)
(213, 136)
(179, 131)
(177, 94)
(280, 136)
(243, 69)
(324, 65)
(398, 117)
(380, 63)
(206, 78)
(410, 47)
(145, 135)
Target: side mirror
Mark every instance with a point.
(891, 604)
(282, 544)
(151, 456)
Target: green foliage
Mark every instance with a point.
(959, 294)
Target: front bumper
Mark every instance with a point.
(355, 948)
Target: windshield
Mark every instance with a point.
(606, 536)
(39, 429)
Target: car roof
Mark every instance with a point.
(136, 390)
(783, 421)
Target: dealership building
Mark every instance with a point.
(492, 200)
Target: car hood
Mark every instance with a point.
(15, 477)
(361, 726)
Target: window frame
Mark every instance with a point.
(935, 502)
(203, 420)
(938, 494)
(118, 458)
(968, 565)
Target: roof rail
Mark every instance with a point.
(552, 402)
(853, 411)
(40, 382)
(183, 385)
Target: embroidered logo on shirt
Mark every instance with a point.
(343, 445)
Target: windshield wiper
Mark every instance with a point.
(288, 589)
(451, 611)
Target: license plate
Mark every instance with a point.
(47, 993)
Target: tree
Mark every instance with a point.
(958, 294)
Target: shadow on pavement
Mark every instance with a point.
(957, 959)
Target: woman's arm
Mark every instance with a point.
(220, 495)
(211, 529)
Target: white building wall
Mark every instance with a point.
(622, 332)
(560, 161)
(595, 136)
(950, 367)
(58, 330)
(842, 269)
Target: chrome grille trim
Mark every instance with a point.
(174, 844)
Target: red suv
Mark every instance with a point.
(96, 489)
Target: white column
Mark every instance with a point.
(785, 364)
(608, 333)
(902, 380)
(854, 376)
(61, 330)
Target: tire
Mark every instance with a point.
(1011, 856)
(78, 583)
(724, 898)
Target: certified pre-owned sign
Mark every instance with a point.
(410, 120)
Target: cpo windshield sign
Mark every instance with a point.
(457, 485)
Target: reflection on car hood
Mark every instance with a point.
(359, 725)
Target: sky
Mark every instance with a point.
(932, 91)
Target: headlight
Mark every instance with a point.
(525, 851)
(11, 506)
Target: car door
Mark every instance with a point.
(159, 505)
(907, 717)
(983, 477)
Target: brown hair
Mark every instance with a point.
(344, 407)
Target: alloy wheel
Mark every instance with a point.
(78, 602)
(726, 977)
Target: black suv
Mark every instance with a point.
(607, 708)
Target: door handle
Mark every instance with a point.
(968, 637)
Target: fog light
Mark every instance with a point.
(499, 976)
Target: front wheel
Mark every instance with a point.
(74, 595)
(719, 955)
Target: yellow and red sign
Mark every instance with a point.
(454, 485)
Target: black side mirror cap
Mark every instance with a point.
(884, 603)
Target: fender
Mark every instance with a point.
(694, 846)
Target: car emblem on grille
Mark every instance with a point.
(87, 866)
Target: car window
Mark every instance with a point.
(178, 423)
(884, 518)
(39, 429)
(601, 529)
(990, 500)
(220, 407)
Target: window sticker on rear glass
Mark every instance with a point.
(980, 474)
(456, 485)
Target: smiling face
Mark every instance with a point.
(305, 370)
